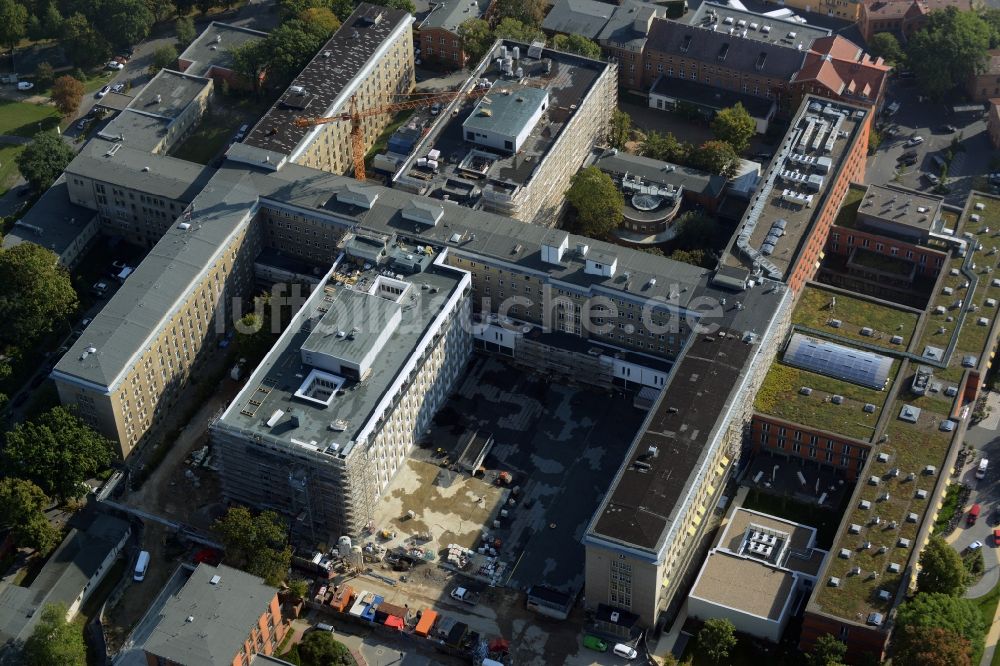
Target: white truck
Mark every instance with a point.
(981, 470)
(466, 595)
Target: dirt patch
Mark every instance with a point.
(451, 507)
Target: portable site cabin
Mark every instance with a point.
(369, 612)
(361, 603)
(426, 623)
(341, 600)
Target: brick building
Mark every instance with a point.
(837, 68)
(901, 17)
(993, 122)
(776, 436)
(211, 54)
(221, 617)
(986, 84)
(440, 43)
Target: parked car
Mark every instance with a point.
(931, 178)
(82, 125)
(763, 157)
(436, 109)
(946, 129)
(25, 85)
(118, 88)
(102, 92)
(975, 545)
(114, 66)
(595, 643)
(120, 59)
(915, 140)
(85, 323)
(99, 288)
(973, 515)
(242, 132)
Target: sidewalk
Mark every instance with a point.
(992, 636)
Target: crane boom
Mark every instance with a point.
(355, 116)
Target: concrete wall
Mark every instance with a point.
(754, 625)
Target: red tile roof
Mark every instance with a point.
(895, 9)
(843, 68)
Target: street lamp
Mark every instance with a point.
(774, 473)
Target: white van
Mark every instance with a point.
(981, 471)
(625, 651)
(141, 565)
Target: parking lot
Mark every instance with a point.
(926, 119)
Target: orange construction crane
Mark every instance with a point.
(355, 115)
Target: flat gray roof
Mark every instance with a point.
(140, 170)
(617, 164)
(900, 205)
(755, 26)
(450, 14)
(628, 25)
(53, 222)
(215, 45)
(578, 17)
(351, 326)
(331, 70)
(206, 623)
(506, 114)
(283, 372)
(744, 584)
(169, 93)
(139, 130)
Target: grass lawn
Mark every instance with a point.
(382, 142)
(779, 396)
(813, 310)
(22, 119)
(848, 212)
(210, 137)
(8, 166)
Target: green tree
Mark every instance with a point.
(43, 160)
(22, 508)
(518, 31)
(298, 587)
(55, 641)
(205, 6)
(66, 94)
(826, 651)
(250, 62)
(82, 43)
(948, 50)
(45, 23)
(321, 18)
(693, 257)
(44, 75)
(695, 230)
(184, 27)
(184, 7)
(257, 544)
(405, 5)
(941, 569)
(527, 12)
(58, 452)
(936, 610)
(716, 639)
(164, 57)
(125, 22)
(885, 45)
(715, 157)
(621, 129)
(161, 10)
(576, 44)
(664, 147)
(930, 646)
(342, 8)
(476, 38)
(734, 126)
(13, 22)
(319, 648)
(596, 202)
(290, 46)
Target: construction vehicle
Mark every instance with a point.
(355, 116)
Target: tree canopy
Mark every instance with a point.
(948, 50)
(477, 37)
(930, 646)
(82, 43)
(621, 129)
(885, 45)
(596, 202)
(693, 257)
(665, 147)
(715, 157)
(66, 94)
(13, 22)
(716, 638)
(319, 648)
(941, 569)
(576, 44)
(36, 293)
(518, 31)
(55, 641)
(936, 610)
(184, 27)
(163, 58)
(257, 544)
(58, 452)
(734, 126)
(528, 12)
(826, 651)
(22, 508)
(250, 62)
(125, 22)
(43, 160)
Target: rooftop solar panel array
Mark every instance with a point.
(833, 360)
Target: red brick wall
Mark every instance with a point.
(860, 640)
(447, 54)
(656, 62)
(766, 436)
(842, 240)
